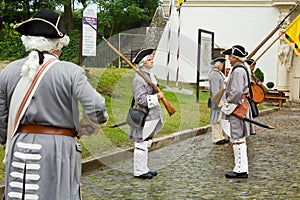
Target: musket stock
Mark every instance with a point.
(169, 107)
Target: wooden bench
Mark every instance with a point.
(276, 96)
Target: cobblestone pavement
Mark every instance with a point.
(194, 168)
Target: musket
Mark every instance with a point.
(169, 107)
(255, 61)
(272, 33)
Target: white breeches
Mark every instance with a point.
(217, 134)
(240, 155)
(140, 160)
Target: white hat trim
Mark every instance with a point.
(40, 19)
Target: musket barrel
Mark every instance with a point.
(272, 33)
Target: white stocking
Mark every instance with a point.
(140, 164)
(240, 155)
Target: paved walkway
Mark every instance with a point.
(194, 168)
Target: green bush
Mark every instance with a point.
(270, 85)
(259, 74)
(12, 48)
(10, 43)
(71, 52)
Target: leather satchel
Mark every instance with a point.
(241, 110)
(135, 117)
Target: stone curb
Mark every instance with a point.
(121, 154)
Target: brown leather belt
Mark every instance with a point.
(238, 143)
(44, 129)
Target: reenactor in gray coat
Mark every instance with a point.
(235, 93)
(216, 83)
(39, 114)
(147, 100)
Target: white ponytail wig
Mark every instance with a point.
(216, 64)
(143, 61)
(213, 66)
(37, 44)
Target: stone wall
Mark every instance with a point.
(156, 29)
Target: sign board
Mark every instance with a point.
(89, 35)
(205, 58)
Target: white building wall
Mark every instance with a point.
(244, 25)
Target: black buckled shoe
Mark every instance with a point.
(224, 141)
(232, 174)
(148, 175)
(153, 173)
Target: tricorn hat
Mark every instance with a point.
(218, 59)
(45, 23)
(141, 54)
(237, 51)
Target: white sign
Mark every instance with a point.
(89, 33)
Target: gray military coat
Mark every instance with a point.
(216, 82)
(154, 121)
(236, 86)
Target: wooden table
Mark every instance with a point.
(277, 96)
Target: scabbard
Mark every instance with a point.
(258, 123)
(117, 125)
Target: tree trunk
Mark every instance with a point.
(69, 21)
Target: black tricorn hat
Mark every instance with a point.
(45, 23)
(141, 54)
(236, 50)
(218, 59)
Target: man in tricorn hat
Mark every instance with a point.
(39, 97)
(235, 93)
(147, 100)
(216, 83)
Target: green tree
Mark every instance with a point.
(114, 16)
(16, 11)
(10, 43)
(119, 15)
